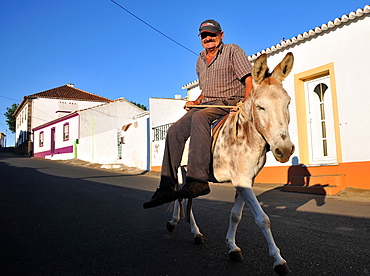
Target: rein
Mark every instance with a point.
(210, 105)
(239, 105)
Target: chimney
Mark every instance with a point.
(70, 84)
(177, 97)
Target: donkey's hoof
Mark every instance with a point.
(282, 270)
(236, 256)
(199, 239)
(170, 227)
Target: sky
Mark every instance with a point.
(106, 50)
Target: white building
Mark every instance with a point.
(111, 133)
(104, 136)
(2, 140)
(163, 113)
(43, 107)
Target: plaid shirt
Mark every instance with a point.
(224, 77)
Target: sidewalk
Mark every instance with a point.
(347, 193)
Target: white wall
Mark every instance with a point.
(193, 93)
(45, 110)
(346, 47)
(2, 140)
(99, 130)
(162, 112)
(135, 150)
(21, 125)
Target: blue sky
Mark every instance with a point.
(104, 50)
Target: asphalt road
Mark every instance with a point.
(57, 219)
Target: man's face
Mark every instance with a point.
(211, 40)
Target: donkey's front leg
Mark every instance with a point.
(235, 217)
(263, 222)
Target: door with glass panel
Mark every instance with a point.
(320, 125)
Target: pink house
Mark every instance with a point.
(58, 137)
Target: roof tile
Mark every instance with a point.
(68, 92)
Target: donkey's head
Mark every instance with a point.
(270, 105)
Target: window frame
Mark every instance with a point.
(66, 133)
(41, 139)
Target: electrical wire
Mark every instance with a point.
(166, 36)
(9, 98)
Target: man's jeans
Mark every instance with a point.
(197, 124)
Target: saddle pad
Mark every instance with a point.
(216, 126)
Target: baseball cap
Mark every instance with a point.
(209, 25)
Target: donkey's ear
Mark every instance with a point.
(283, 69)
(260, 68)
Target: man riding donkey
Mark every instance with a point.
(224, 73)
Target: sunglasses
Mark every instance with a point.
(205, 34)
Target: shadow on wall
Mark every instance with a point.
(298, 174)
(299, 178)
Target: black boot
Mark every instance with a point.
(193, 189)
(160, 197)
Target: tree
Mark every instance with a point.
(140, 105)
(10, 119)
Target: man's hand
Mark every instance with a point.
(196, 102)
(248, 87)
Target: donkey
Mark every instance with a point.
(239, 153)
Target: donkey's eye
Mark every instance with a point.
(260, 107)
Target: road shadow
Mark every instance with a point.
(55, 222)
(278, 199)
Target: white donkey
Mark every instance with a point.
(239, 152)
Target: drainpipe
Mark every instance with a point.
(75, 142)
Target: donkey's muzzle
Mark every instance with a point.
(282, 153)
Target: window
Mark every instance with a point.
(41, 139)
(320, 91)
(66, 132)
(160, 132)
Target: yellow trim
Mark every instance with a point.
(299, 83)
